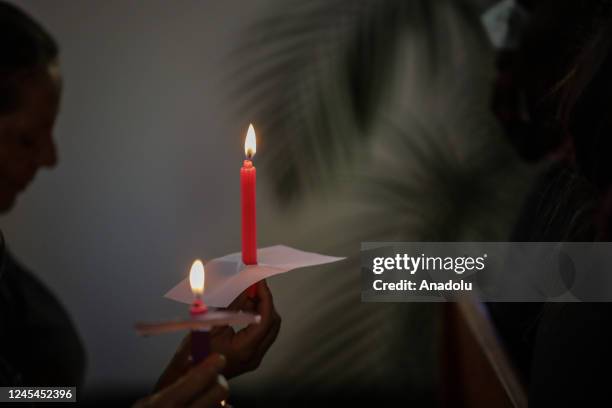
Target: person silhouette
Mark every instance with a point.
(39, 344)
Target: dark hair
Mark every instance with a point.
(586, 98)
(526, 94)
(585, 112)
(25, 47)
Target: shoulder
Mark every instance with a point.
(38, 321)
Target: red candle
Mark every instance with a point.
(249, 213)
(200, 339)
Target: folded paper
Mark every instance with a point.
(227, 277)
(205, 321)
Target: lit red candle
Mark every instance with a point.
(249, 212)
(200, 339)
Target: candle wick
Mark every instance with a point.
(198, 306)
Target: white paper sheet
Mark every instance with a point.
(227, 277)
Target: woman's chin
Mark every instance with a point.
(7, 201)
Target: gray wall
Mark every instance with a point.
(148, 173)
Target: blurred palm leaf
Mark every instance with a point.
(320, 82)
(315, 75)
(444, 189)
(429, 188)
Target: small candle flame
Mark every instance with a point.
(197, 277)
(250, 145)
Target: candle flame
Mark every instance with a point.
(196, 278)
(250, 145)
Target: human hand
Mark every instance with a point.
(246, 348)
(202, 386)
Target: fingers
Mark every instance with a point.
(238, 302)
(268, 312)
(254, 340)
(264, 345)
(219, 392)
(242, 302)
(263, 291)
(272, 334)
(199, 380)
(247, 347)
(254, 333)
(265, 305)
(261, 349)
(245, 303)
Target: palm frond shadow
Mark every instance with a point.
(313, 78)
(439, 187)
(443, 191)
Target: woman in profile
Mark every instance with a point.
(39, 345)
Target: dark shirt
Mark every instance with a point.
(562, 350)
(39, 345)
(559, 208)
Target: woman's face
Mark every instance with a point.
(26, 135)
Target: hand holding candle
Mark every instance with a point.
(244, 347)
(180, 386)
(249, 213)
